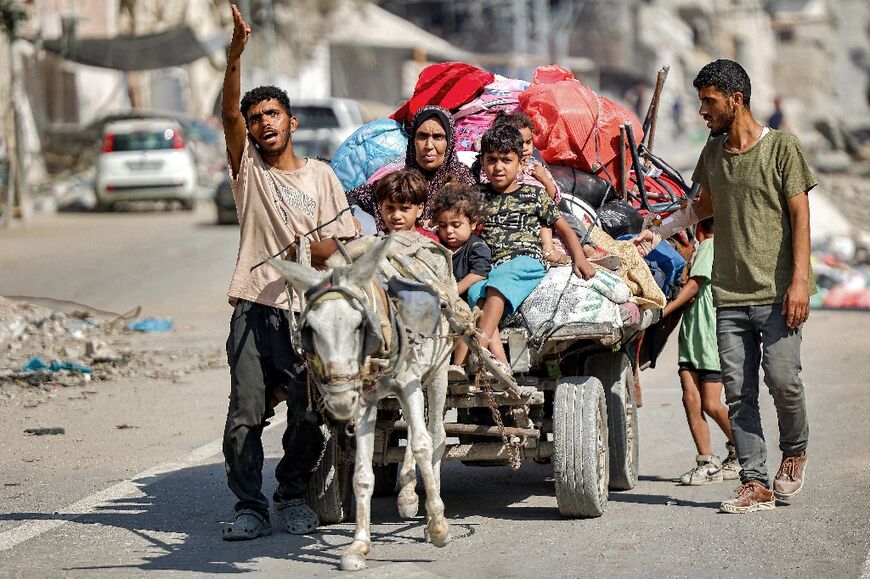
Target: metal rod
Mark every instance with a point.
(623, 185)
(471, 429)
(475, 451)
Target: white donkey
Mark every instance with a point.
(343, 338)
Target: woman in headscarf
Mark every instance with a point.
(431, 150)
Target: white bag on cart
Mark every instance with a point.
(562, 298)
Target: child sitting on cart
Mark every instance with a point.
(401, 198)
(513, 216)
(458, 210)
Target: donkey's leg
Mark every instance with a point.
(436, 391)
(408, 501)
(421, 446)
(354, 556)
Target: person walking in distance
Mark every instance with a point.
(279, 196)
(755, 182)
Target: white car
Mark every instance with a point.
(145, 160)
(324, 125)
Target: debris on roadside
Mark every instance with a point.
(151, 325)
(44, 431)
(47, 345)
(842, 268)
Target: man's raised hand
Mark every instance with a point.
(241, 30)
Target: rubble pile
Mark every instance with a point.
(44, 350)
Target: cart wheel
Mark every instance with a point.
(615, 372)
(331, 487)
(580, 447)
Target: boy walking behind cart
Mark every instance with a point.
(699, 372)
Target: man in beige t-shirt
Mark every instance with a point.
(279, 197)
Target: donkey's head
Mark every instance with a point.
(339, 327)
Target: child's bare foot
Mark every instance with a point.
(555, 257)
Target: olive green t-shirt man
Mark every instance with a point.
(750, 192)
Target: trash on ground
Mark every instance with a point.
(151, 325)
(51, 430)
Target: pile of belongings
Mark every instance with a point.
(577, 133)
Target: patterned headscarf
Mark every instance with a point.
(451, 170)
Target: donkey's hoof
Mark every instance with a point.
(353, 562)
(438, 533)
(408, 506)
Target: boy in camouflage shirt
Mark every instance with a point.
(514, 215)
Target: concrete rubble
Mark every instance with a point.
(102, 349)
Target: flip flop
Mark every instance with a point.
(298, 517)
(247, 525)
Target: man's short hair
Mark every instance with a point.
(456, 196)
(402, 186)
(726, 76)
(708, 226)
(502, 138)
(265, 93)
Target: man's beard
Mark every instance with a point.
(724, 121)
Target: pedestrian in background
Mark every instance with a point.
(777, 120)
(699, 371)
(279, 196)
(755, 182)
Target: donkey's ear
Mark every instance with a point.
(301, 277)
(366, 265)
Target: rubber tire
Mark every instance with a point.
(330, 490)
(617, 376)
(580, 453)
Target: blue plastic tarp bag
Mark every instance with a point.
(667, 260)
(369, 148)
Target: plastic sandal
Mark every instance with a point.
(298, 517)
(247, 525)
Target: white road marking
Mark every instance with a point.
(89, 504)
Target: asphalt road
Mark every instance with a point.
(149, 501)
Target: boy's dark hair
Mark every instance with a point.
(265, 93)
(502, 139)
(517, 120)
(726, 76)
(707, 226)
(402, 186)
(456, 196)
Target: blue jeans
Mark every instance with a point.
(749, 337)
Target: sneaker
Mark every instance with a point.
(708, 470)
(731, 469)
(750, 496)
(789, 478)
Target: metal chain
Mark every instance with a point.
(514, 449)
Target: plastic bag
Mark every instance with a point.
(369, 148)
(574, 126)
(593, 190)
(619, 218)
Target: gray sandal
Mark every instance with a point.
(247, 525)
(298, 517)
